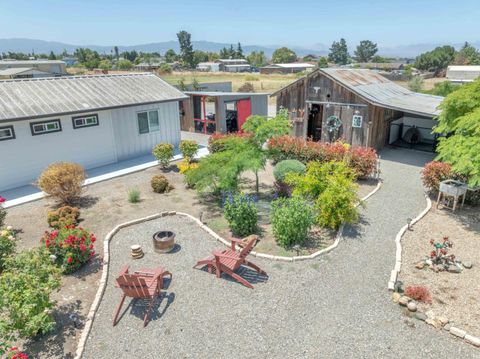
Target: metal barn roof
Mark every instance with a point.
(53, 96)
(293, 65)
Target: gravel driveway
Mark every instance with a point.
(333, 307)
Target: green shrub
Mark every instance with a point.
(160, 184)
(163, 152)
(25, 289)
(246, 87)
(71, 247)
(221, 142)
(241, 213)
(188, 149)
(251, 78)
(7, 245)
(64, 216)
(332, 187)
(287, 166)
(292, 219)
(63, 181)
(435, 172)
(134, 195)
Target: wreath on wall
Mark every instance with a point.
(333, 124)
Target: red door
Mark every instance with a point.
(244, 109)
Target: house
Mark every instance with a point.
(461, 74)
(286, 68)
(148, 66)
(92, 120)
(52, 67)
(359, 107)
(22, 73)
(234, 65)
(222, 112)
(208, 66)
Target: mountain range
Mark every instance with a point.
(41, 46)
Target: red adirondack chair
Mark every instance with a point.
(229, 260)
(144, 283)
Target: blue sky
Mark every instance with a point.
(267, 22)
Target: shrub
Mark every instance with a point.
(3, 212)
(64, 216)
(419, 293)
(363, 161)
(251, 78)
(188, 149)
(134, 195)
(439, 254)
(25, 289)
(291, 220)
(331, 185)
(63, 181)
(221, 142)
(71, 247)
(241, 213)
(435, 172)
(184, 166)
(12, 352)
(163, 152)
(246, 87)
(160, 184)
(287, 166)
(7, 245)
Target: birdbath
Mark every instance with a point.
(163, 241)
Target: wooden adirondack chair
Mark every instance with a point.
(144, 283)
(229, 260)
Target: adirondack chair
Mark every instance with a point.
(229, 260)
(144, 283)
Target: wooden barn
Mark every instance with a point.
(360, 107)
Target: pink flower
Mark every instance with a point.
(70, 260)
(83, 247)
(2, 199)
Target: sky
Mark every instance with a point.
(255, 22)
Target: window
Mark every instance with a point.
(85, 121)
(148, 122)
(7, 133)
(40, 128)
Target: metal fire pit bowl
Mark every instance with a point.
(163, 241)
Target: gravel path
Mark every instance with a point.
(334, 307)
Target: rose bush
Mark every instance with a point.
(70, 247)
(3, 213)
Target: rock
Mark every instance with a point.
(433, 322)
(420, 316)
(472, 340)
(420, 265)
(447, 327)
(443, 320)
(454, 269)
(467, 265)
(435, 268)
(412, 306)
(396, 297)
(428, 262)
(398, 287)
(458, 332)
(403, 301)
(430, 314)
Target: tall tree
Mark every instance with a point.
(239, 52)
(467, 55)
(283, 55)
(186, 49)
(339, 52)
(436, 60)
(52, 56)
(365, 51)
(117, 55)
(170, 56)
(257, 59)
(199, 56)
(224, 53)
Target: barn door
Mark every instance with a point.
(244, 109)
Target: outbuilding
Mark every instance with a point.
(462, 74)
(361, 108)
(286, 68)
(52, 67)
(92, 120)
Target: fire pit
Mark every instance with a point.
(163, 241)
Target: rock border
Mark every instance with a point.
(106, 259)
(456, 332)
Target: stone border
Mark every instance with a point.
(106, 259)
(457, 332)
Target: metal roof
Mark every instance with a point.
(219, 93)
(29, 62)
(290, 66)
(463, 73)
(14, 71)
(45, 97)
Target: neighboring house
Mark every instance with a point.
(286, 68)
(359, 107)
(53, 67)
(69, 61)
(234, 65)
(92, 120)
(461, 74)
(22, 73)
(145, 66)
(208, 66)
(223, 112)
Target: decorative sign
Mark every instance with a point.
(357, 121)
(333, 123)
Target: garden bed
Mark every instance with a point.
(454, 296)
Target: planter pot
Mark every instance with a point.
(163, 241)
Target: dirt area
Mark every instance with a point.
(427, 83)
(454, 296)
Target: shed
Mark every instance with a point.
(286, 68)
(92, 120)
(22, 73)
(223, 112)
(53, 67)
(461, 74)
(361, 108)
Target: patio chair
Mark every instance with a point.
(229, 260)
(144, 283)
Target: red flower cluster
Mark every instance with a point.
(14, 353)
(72, 246)
(2, 199)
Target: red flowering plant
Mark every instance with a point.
(11, 352)
(3, 213)
(70, 247)
(439, 254)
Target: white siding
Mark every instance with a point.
(24, 158)
(129, 143)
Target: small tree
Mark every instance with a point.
(124, 65)
(365, 51)
(105, 65)
(416, 84)
(163, 152)
(63, 181)
(322, 62)
(188, 149)
(283, 55)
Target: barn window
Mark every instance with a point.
(148, 122)
(7, 133)
(40, 128)
(85, 121)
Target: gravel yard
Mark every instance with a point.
(455, 296)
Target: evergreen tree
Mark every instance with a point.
(365, 51)
(186, 49)
(339, 52)
(239, 52)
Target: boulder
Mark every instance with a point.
(403, 301)
(412, 306)
(452, 268)
(420, 316)
(396, 297)
(420, 265)
(467, 265)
